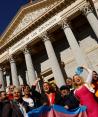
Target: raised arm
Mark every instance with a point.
(90, 73)
(36, 82)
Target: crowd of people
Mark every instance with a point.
(17, 102)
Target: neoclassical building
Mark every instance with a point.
(49, 39)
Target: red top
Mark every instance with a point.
(51, 98)
(10, 96)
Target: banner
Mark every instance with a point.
(57, 111)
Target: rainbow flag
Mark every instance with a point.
(57, 111)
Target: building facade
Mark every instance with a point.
(49, 39)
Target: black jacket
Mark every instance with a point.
(58, 99)
(36, 96)
(16, 111)
(11, 108)
(71, 101)
(5, 110)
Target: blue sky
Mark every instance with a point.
(8, 9)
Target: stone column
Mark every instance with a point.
(20, 79)
(93, 21)
(27, 77)
(8, 80)
(53, 61)
(15, 79)
(30, 67)
(76, 50)
(1, 80)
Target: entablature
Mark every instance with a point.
(30, 25)
(6, 42)
(53, 16)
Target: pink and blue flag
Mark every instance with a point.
(57, 111)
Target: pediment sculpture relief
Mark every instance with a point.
(29, 18)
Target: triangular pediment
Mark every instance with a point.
(27, 15)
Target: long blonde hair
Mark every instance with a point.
(82, 79)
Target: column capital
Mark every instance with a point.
(1, 69)
(87, 9)
(11, 59)
(44, 36)
(64, 23)
(25, 50)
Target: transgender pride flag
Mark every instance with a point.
(57, 111)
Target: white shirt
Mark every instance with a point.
(30, 101)
(22, 109)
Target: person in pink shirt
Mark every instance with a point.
(84, 92)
